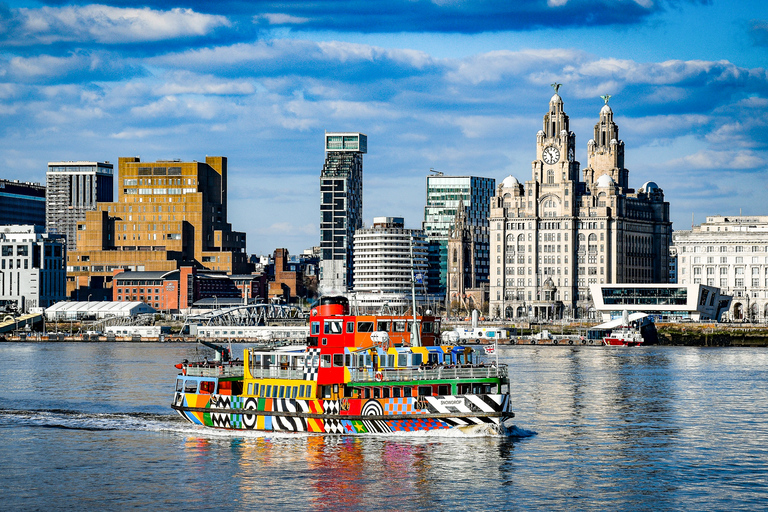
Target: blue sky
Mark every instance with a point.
(458, 86)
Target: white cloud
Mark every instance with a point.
(111, 25)
(276, 18)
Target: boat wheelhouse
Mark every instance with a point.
(348, 379)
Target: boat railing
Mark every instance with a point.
(429, 373)
(275, 372)
(214, 370)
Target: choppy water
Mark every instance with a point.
(88, 427)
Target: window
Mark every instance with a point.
(364, 326)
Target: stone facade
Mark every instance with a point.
(555, 235)
(730, 253)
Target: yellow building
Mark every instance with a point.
(167, 214)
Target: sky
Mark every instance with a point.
(458, 86)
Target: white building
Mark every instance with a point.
(76, 310)
(732, 254)
(32, 267)
(665, 302)
(384, 268)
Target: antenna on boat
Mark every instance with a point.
(415, 337)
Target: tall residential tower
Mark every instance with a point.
(72, 189)
(341, 208)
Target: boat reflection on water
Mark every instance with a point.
(351, 472)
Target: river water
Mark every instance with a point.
(87, 426)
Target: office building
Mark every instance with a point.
(32, 272)
(387, 259)
(168, 214)
(22, 203)
(444, 194)
(555, 235)
(72, 189)
(730, 253)
(341, 208)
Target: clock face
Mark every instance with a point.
(570, 154)
(550, 155)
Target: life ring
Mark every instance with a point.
(533, 342)
(591, 342)
(583, 341)
(379, 377)
(570, 342)
(555, 342)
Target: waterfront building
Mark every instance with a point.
(72, 189)
(555, 235)
(730, 252)
(32, 272)
(168, 214)
(664, 302)
(465, 292)
(341, 208)
(175, 290)
(387, 257)
(444, 195)
(22, 203)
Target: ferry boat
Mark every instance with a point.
(356, 375)
(625, 337)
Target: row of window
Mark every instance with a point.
(336, 326)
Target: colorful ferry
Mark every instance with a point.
(356, 375)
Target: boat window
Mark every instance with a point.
(367, 359)
(347, 359)
(402, 359)
(274, 392)
(326, 391)
(432, 358)
(385, 393)
(364, 326)
(282, 392)
(301, 391)
(295, 391)
(426, 327)
(350, 326)
(425, 390)
(406, 392)
(325, 341)
(269, 391)
(207, 387)
(416, 360)
(338, 359)
(443, 389)
(315, 327)
(190, 386)
(399, 325)
(179, 384)
(261, 390)
(383, 325)
(396, 392)
(376, 393)
(332, 327)
(250, 388)
(325, 361)
(391, 360)
(367, 392)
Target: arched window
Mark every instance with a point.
(455, 256)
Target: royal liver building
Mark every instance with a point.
(554, 236)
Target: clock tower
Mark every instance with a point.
(555, 146)
(605, 152)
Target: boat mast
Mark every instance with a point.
(415, 337)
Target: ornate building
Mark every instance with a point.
(555, 235)
(465, 289)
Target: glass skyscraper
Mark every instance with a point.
(443, 196)
(341, 208)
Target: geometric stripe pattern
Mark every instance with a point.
(311, 363)
(458, 408)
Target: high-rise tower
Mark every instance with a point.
(72, 189)
(341, 208)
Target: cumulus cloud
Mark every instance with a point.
(105, 25)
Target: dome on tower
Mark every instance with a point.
(649, 186)
(556, 99)
(605, 181)
(510, 181)
(606, 109)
